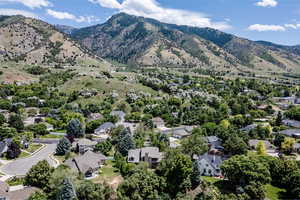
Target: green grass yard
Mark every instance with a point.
(33, 147)
(49, 136)
(275, 193)
(272, 192)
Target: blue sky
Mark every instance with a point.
(271, 20)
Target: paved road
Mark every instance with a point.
(23, 165)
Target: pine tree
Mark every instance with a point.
(124, 132)
(278, 119)
(125, 144)
(75, 129)
(63, 146)
(67, 191)
(196, 175)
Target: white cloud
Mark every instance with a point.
(11, 12)
(262, 27)
(30, 3)
(66, 15)
(292, 26)
(267, 3)
(108, 3)
(152, 9)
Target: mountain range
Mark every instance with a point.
(148, 42)
(141, 42)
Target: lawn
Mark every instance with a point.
(33, 147)
(272, 192)
(62, 159)
(15, 181)
(108, 170)
(49, 136)
(209, 179)
(275, 193)
(107, 173)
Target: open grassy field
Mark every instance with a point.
(11, 72)
(102, 86)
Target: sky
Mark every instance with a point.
(276, 21)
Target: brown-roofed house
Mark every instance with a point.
(88, 164)
(22, 194)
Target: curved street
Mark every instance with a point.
(23, 165)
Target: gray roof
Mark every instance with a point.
(89, 160)
(249, 127)
(179, 131)
(3, 147)
(290, 132)
(86, 142)
(118, 113)
(214, 160)
(106, 125)
(211, 139)
(136, 155)
(297, 146)
(292, 123)
(153, 152)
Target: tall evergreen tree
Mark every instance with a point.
(196, 175)
(75, 129)
(278, 119)
(63, 146)
(126, 142)
(67, 191)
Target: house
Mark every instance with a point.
(174, 142)
(87, 164)
(297, 147)
(4, 146)
(158, 122)
(249, 128)
(253, 144)
(83, 145)
(291, 123)
(291, 133)
(297, 101)
(21, 194)
(209, 164)
(120, 114)
(179, 132)
(214, 142)
(33, 120)
(6, 113)
(105, 128)
(150, 155)
(286, 100)
(50, 127)
(94, 116)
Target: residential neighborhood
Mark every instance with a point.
(149, 100)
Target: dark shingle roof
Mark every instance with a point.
(85, 162)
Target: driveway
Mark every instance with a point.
(23, 165)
